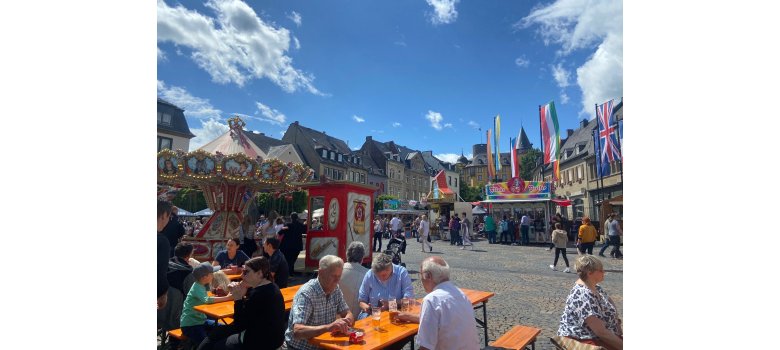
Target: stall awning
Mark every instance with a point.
(533, 200)
(562, 202)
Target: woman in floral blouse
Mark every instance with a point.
(590, 315)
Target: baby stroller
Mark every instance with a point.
(395, 247)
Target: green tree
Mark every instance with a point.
(471, 194)
(190, 199)
(528, 163)
(267, 202)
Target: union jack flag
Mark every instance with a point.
(608, 141)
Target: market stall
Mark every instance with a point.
(516, 198)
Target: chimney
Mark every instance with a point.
(569, 132)
(262, 134)
(368, 138)
(295, 123)
(583, 123)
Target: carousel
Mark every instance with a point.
(230, 170)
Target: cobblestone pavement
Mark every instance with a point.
(527, 291)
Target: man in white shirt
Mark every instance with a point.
(395, 224)
(352, 276)
(446, 317)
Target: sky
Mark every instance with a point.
(427, 74)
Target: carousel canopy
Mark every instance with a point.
(234, 141)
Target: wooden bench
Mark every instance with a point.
(518, 338)
(178, 335)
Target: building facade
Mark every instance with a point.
(327, 155)
(172, 130)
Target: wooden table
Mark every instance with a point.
(387, 334)
(219, 311)
(479, 297)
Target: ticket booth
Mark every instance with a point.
(339, 213)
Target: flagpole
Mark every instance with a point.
(601, 178)
(596, 148)
(541, 138)
(617, 131)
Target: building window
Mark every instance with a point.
(479, 178)
(164, 143)
(163, 118)
(592, 171)
(340, 157)
(449, 180)
(332, 155)
(579, 172)
(456, 182)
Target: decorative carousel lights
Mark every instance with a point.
(229, 182)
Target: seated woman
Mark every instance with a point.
(590, 315)
(259, 320)
(230, 256)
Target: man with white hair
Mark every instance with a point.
(318, 307)
(447, 317)
(353, 274)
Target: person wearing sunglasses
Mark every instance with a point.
(590, 315)
(258, 318)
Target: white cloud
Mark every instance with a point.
(282, 132)
(377, 131)
(234, 46)
(522, 62)
(295, 17)
(208, 131)
(473, 124)
(358, 119)
(297, 43)
(270, 115)
(396, 124)
(161, 55)
(444, 11)
(564, 98)
(561, 75)
(435, 118)
(581, 24)
(194, 107)
(447, 125)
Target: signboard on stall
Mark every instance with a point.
(516, 188)
(394, 204)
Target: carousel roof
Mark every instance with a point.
(232, 142)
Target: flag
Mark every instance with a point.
(608, 142)
(515, 149)
(513, 157)
(551, 137)
(491, 170)
(597, 149)
(497, 138)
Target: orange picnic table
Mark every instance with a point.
(220, 311)
(390, 333)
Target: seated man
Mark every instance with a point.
(179, 267)
(384, 281)
(446, 316)
(318, 307)
(278, 262)
(352, 277)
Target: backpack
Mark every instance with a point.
(504, 226)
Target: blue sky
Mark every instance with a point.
(427, 74)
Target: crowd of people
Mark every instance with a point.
(344, 292)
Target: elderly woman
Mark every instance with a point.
(590, 315)
(384, 281)
(352, 275)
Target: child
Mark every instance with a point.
(559, 238)
(193, 323)
(219, 285)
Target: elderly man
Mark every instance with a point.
(353, 274)
(318, 307)
(446, 316)
(384, 281)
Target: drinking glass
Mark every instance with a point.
(376, 313)
(393, 310)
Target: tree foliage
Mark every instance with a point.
(266, 202)
(528, 163)
(379, 199)
(471, 194)
(190, 199)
